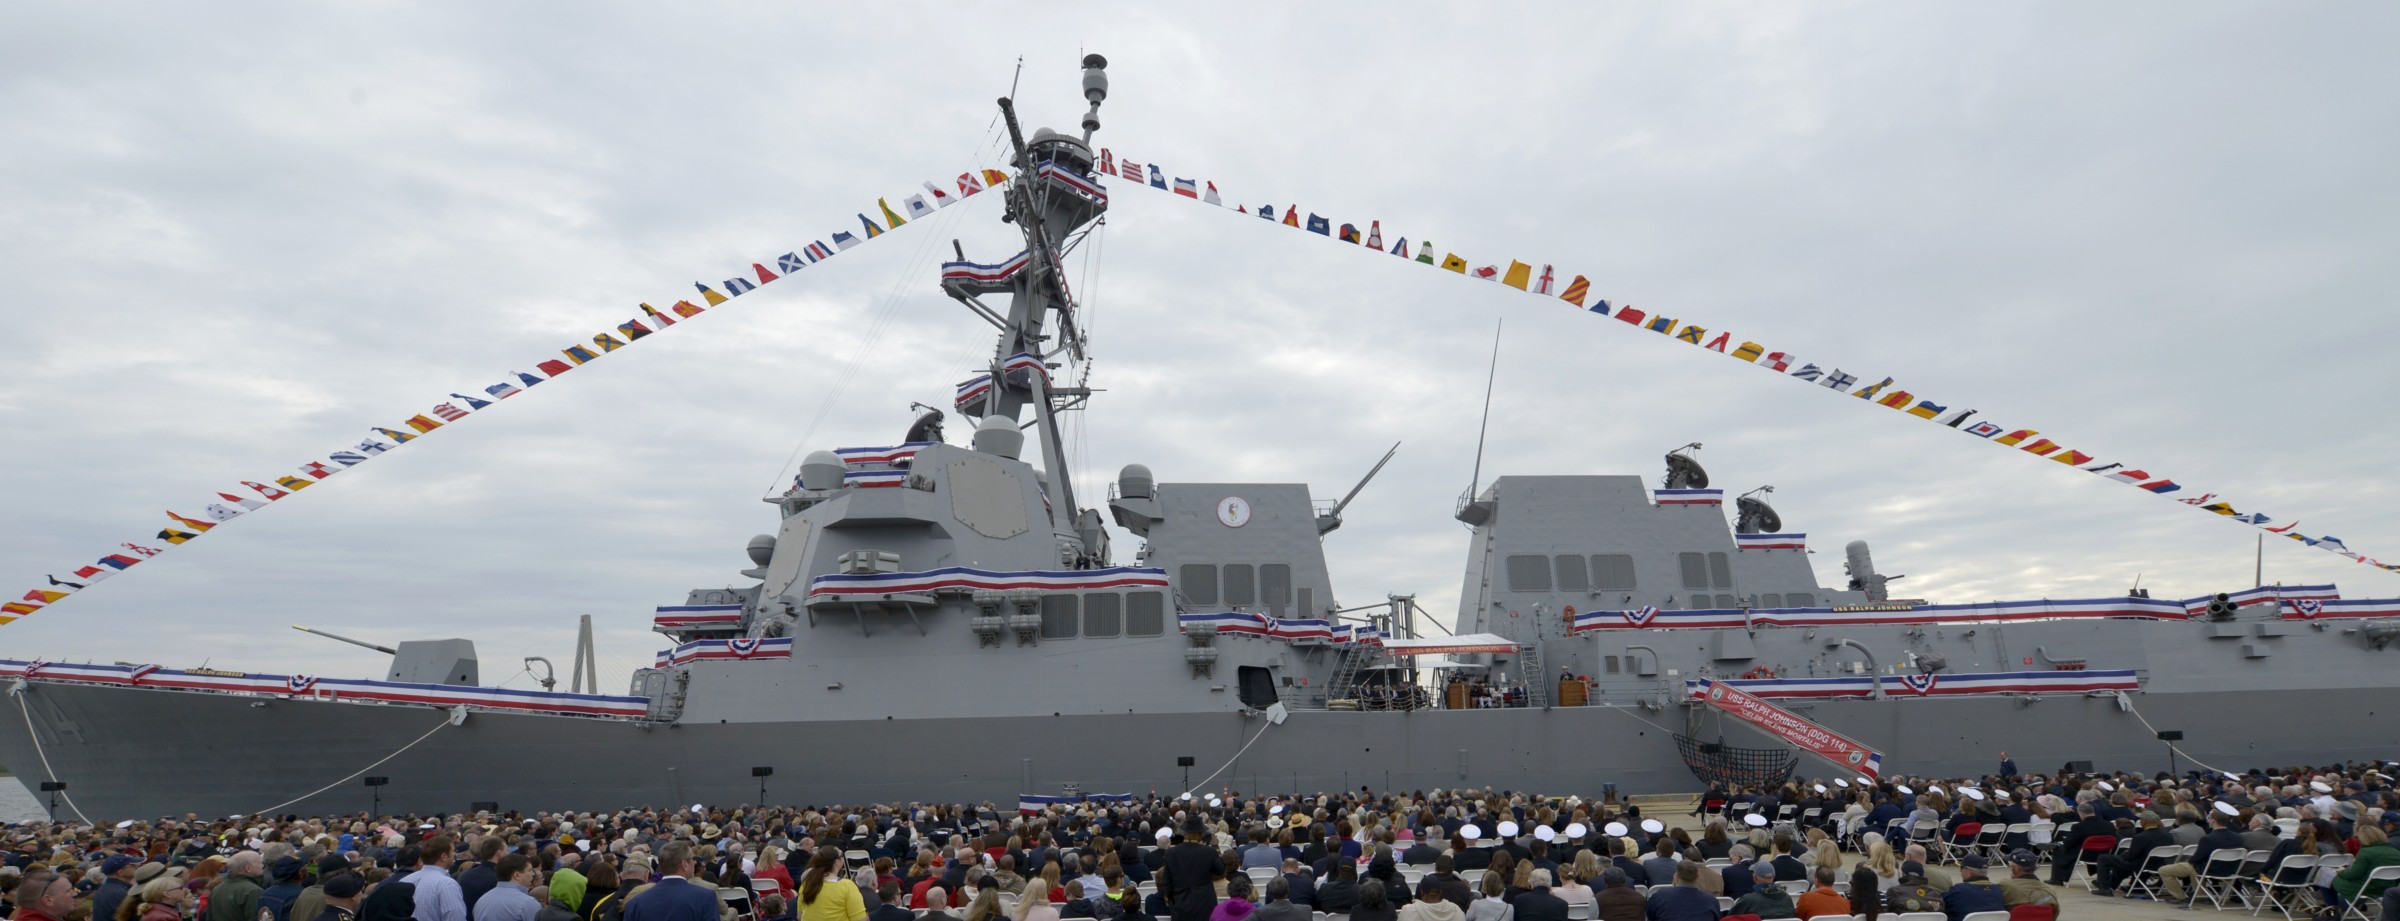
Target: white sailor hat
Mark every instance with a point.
(1507, 829)
(1471, 833)
(1614, 829)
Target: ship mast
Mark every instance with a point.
(1048, 210)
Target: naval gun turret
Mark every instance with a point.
(450, 661)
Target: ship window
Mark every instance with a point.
(1199, 583)
(1770, 600)
(1724, 602)
(1145, 614)
(1241, 588)
(1275, 586)
(1611, 662)
(1257, 687)
(1720, 572)
(1058, 617)
(1612, 572)
(1800, 600)
(1101, 614)
(1695, 569)
(1570, 574)
(1528, 573)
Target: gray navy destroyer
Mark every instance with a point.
(939, 621)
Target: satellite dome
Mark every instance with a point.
(762, 549)
(1136, 482)
(999, 435)
(821, 470)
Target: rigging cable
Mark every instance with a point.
(19, 693)
(885, 316)
(2137, 714)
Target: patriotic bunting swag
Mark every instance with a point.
(1880, 391)
(649, 322)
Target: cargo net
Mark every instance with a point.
(1720, 765)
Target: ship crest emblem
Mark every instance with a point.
(1857, 757)
(1920, 684)
(1640, 617)
(2309, 607)
(743, 648)
(300, 684)
(1716, 691)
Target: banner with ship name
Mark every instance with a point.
(1880, 391)
(1790, 727)
(609, 338)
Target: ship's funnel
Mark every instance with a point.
(821, 470)
(1000, 436)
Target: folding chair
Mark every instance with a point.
(1582, 911)
(1989, 840)
(2145, 877)
(1961, 840)
(2287, 887)
(2366, 907)
(2093, 847)
(2033, 913)
(1985, 916)
(2218, 876)
(1920, 916)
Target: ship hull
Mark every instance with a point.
(133, 753)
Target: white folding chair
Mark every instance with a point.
(1985, 916)
(2145, 877)
(1921, 916)
(2365, 907)
(2286, 887)
(2218, 876)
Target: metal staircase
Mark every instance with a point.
(1356, 658)
(1537, 678)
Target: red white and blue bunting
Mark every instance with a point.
(750, 649)
(889, 455)
(962, 579)
(330, 690)
(697, 616)
(1288, 629)
(1880, 392)
(1796, 541)
(1706, 497)
(1966, 684)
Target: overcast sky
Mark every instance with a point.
(233, 238)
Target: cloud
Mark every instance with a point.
(233, 240)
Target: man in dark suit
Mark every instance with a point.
(889, 907)
(674, 898)
(1445, 878)
(2088, 823)
(1189, 879)
(1302, 886)
(1739, 877)
(1538, 904)
(1421, 853)
(1787, 859)
(1464, 857)
(2115, 869)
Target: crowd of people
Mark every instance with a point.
(1798, 849)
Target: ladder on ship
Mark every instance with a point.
(1355, 659)
(1537, 680)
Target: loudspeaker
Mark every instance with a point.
(2079, 767)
